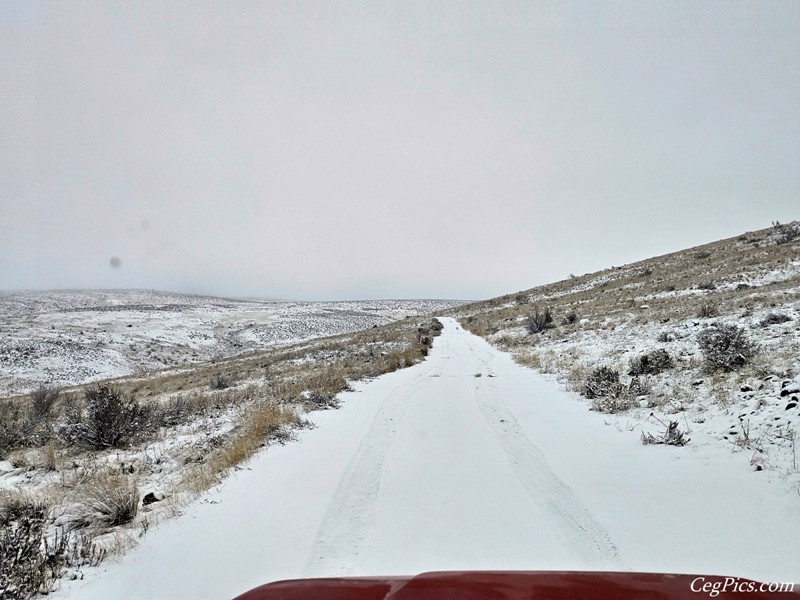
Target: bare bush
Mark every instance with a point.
(666, 336)
(29, 562)
(110, 420)
(43, 399)
(652, 363)
(14, 426)
(707, 310)
(570, 318)
(787, 232)
(538, 321)
(619, 399)
(317, 401)
(725, 347)
(31, 558)
(672, 436)
(220, 381)
(774, 319)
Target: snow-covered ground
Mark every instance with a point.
(71, 337)
(465, 461)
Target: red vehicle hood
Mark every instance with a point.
(522, 585)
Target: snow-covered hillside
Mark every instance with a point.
(743, 292)
(71, 337)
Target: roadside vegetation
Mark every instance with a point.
(702, 344)
(99, 464)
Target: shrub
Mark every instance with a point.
(538, 321)
(651, 363)
(672, 436)
(220, 382)
(110, 420)
(601, 382)
(619, 398)
(666, 336)
(707, 310)
(570, 318)
(725, 347)
(774, 319)
(42, 400)
(317, 401)
(29, 562)
(14, 423)
(787, 232)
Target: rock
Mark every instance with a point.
(151, 498)
(697, 382)
(746, 388)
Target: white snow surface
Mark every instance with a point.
(434, 467)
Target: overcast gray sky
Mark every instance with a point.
(322, 150)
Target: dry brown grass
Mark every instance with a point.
(614, 296)
(260, 422)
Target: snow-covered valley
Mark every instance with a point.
(71, 337)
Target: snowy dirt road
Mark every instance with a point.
(466, 461)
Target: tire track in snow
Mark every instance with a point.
(578, 528)
(346, 523)
(575, 524)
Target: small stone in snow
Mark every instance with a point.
(150, 498)
(746, 388)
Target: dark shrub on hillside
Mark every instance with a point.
(601, 382)
(220, 382)
(707, 310)
(787, 232)
(42, 400)
(318, 401)
(110, 420)
(651, 363)
(774, 319)
(666, 336)
(570, 318)
(725, 347)
(14, 425)
(29, 563)
(538, 321)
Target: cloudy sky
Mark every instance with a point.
(321, 150)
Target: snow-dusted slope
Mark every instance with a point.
(466, 461)
(71, 337)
